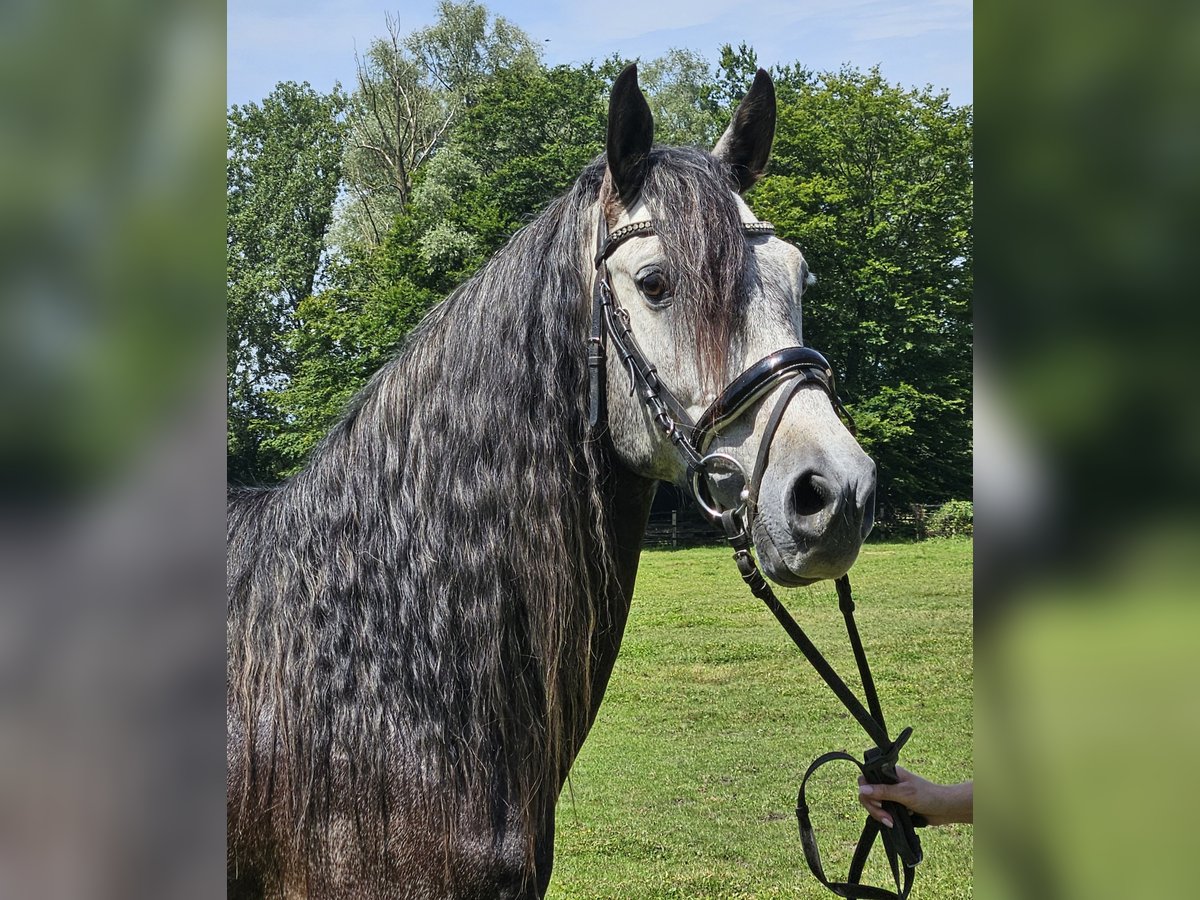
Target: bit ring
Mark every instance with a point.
(709, 464)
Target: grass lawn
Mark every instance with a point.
(687, 785)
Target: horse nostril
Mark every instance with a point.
(808, 496)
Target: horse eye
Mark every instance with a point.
(654, 286)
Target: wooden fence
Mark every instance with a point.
(908, 522)
(685, 527)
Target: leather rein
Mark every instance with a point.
(792, 368)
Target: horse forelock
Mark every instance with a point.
(698, 221)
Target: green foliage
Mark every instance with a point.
(735, 73)
(915, 438)
(683, 98)
(283, 169)
(526, 140)
(343, 334)
(954, 518)
(873, 183)
(411, 92)
(467, 46)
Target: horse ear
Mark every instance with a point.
(630, 135)
(746, 143)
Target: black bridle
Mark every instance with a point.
(790, 368)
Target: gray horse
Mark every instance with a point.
(423, 622)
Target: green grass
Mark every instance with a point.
(687, 785)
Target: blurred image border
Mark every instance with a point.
(112, 525)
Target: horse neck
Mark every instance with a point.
(628, 497)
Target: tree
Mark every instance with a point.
(529, 136)
(411, 91)
(873, 182)
(341, 337)
(735, 74)
(683, 98)
(916, 441)
(282, 172)
(520, 145)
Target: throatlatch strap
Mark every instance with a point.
(597, 378)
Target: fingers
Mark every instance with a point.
(940, 804)
(878, 792)
(871, 797)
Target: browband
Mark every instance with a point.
(649, 227)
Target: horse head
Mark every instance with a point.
(706, 291)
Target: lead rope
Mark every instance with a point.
(901, 843)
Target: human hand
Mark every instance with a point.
(940, 804)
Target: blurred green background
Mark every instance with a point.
(112, 300)
(111, 221)
(1088, 207)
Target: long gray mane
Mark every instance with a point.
(419, 604)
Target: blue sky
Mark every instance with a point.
(915, 43)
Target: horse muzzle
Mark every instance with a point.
(811, 520)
